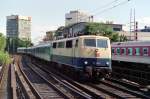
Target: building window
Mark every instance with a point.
(145, 51)
(69, 44)
(137, 51)
(129, 51)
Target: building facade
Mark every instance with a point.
(141, 36)
(79, 29)
(77, 16)
(19, 27)
(49, 36)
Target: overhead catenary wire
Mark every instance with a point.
(107, 9)
(103, 6)
(121, 3)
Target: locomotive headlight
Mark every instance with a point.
(85, 62)
(107, 63)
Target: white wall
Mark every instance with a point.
(140, 35)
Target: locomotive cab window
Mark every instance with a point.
(90, 42)
(145, 51)
(102, 43)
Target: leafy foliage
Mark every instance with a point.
(123, 38)
(14, 43)
(101, 29)
(2, 42)
(4, 56)
(24, 43)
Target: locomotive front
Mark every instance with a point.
(96, 56)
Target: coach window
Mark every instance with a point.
(113, 50)
(137, 51)
(69, 44)
(145, 51)
(129, 51)
(123, 51)
(54, 45)
(118, 51)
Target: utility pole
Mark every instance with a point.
(132, 24)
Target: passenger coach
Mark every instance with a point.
(131, 60)
(133, 51)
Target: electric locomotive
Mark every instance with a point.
(86, 56)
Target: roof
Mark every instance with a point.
(131, 43)
(80, 37)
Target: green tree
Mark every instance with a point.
(101, 29)
(2, 42)
(12, 44)
(4, 56)
(123, 38)
(24, 43)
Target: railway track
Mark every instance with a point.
(65, 90)
(41, 87)
(132, 86)
(118, 91)
(75, 85)
(108, 88)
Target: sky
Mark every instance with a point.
(50, 14)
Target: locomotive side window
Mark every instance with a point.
(61, 44)
(76, 44)
(90, 42)
(54, 45)
(123, 51)
(69, 44)
(102, 43)
(145, 51)
(137, 51)
(129, 51)
(118, 51)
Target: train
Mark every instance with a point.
(131, 51)
(131, 60)
(87, 56)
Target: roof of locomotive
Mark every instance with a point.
(131, 43)
(83, 36)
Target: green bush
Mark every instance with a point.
(4, 58)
